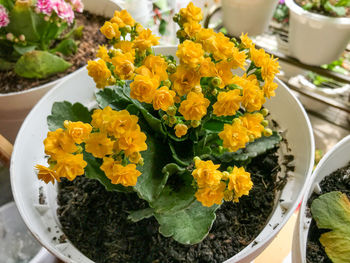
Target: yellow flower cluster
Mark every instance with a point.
(113, 136)
(214, 185)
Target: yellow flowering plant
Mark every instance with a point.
(179, 133)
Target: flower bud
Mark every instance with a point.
(225, 175)
(214, 92)
(197, 89)
(196, 158)
(230, 169)
(267, 132)
(167, 83)
(228, 195)
(10, 36)
(265, 123)
(251, 138)
(171, 68)
(221, 149)
(16, 40)
(46, 18)
(216, 81)
(165, 117)
(22, 38)
(180, 34)
(141, 162)
(172, 120)
(127, 28)
(172, 110)
(264, 112)
(176, 18)
(195, 124)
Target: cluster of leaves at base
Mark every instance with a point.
(331, 211)
(168, 163)
(333, 8)
(36, 56)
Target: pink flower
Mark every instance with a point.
(63, 10)
(4, 17)
(77, 5)
(45, 6)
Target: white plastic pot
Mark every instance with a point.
(15, 106)
(336, 158)
(316, 39)
(252, 16)
(29, 150)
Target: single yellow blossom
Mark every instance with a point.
(191, 13)
(99, 71)
(46, 174)
(145, 71)
(126, 47)
(59, 143)
(180, 130)
(132, 141)
(208, 69)
(124, 65)
(234, 136)
(119, 174)
(253, 98)
(163, 98)
(190, 53)
(223, 71)
(145, 40)
(239, 182)
(101, 118)
(252, 121)
(210, 196)
(184, 80)
(157, 65)
(269, 88)
(194, 107)
(206, 173)
(192, 28)
(110, 30)
(70, 166)
(99, 145)
(122, 18)
(228, 103)
(121, 122)
(246, 41)
(79, 131)
(143, 88)
(102, 53)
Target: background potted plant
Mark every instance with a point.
(177, 126)
(30, 50)
(326, 198)
(318, 26)
(252, 17)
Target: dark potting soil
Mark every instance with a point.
(336, 181)
(320, 10)
(87, 48)
(95, 221)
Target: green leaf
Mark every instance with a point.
(152, 181)
(23, 49)
(343, 3)
(6, 65)
(93, 171)
(308, 6)
(252, 149)
(338, 10)
(332, 211)
(136, 216)
(40, 64)
(114, 97)
(67, 47)
(162, 27)
(182, 152)
(62, 111)
(8, 4)
(172, 200)
(187, 226)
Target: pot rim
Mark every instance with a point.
(314, 16)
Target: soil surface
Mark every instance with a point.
(95, 221)
(87, 49)
(336, 181)
(321, 10)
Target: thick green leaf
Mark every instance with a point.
(93, 171)
(152, 181)
(172, 200)
(182, 152)
(114, 97)
(343, 3)
(67, 47)
(40, 64)
(138, 215)
(6, 65)
(8, 4)
(331, 211)
(339, 10)
(253, 149)
(62, 111)
(187, 226)
(23, 49)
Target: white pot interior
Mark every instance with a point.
(29, 150)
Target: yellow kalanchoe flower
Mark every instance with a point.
(192, 28)
(223, 71)
(190, 53)
(239, 182)
(121, 122)
(269, 88)
(99, 71)
(122, 18)
(99, 145)
(163, 98)
(143, 88)
(110, 30)
(180, 130)
(228, 103)
(253, 124)
(70, 166)
(132, 141)
(102, 53)
(206, 173)
(145, 40)
(101, 118)
(246, 41)
(59, 143)
(195, 106)
(184, 79)
(119, 174)
(126, 47)
(234, 136)
(46, 174)
(191, 13)
(157, 65)
(78, 131)
(124, 65)
(209, 196)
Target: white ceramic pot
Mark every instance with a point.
(16, 105)
(316, 39)
(336, 158)
(252, 16)
(29, 150)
